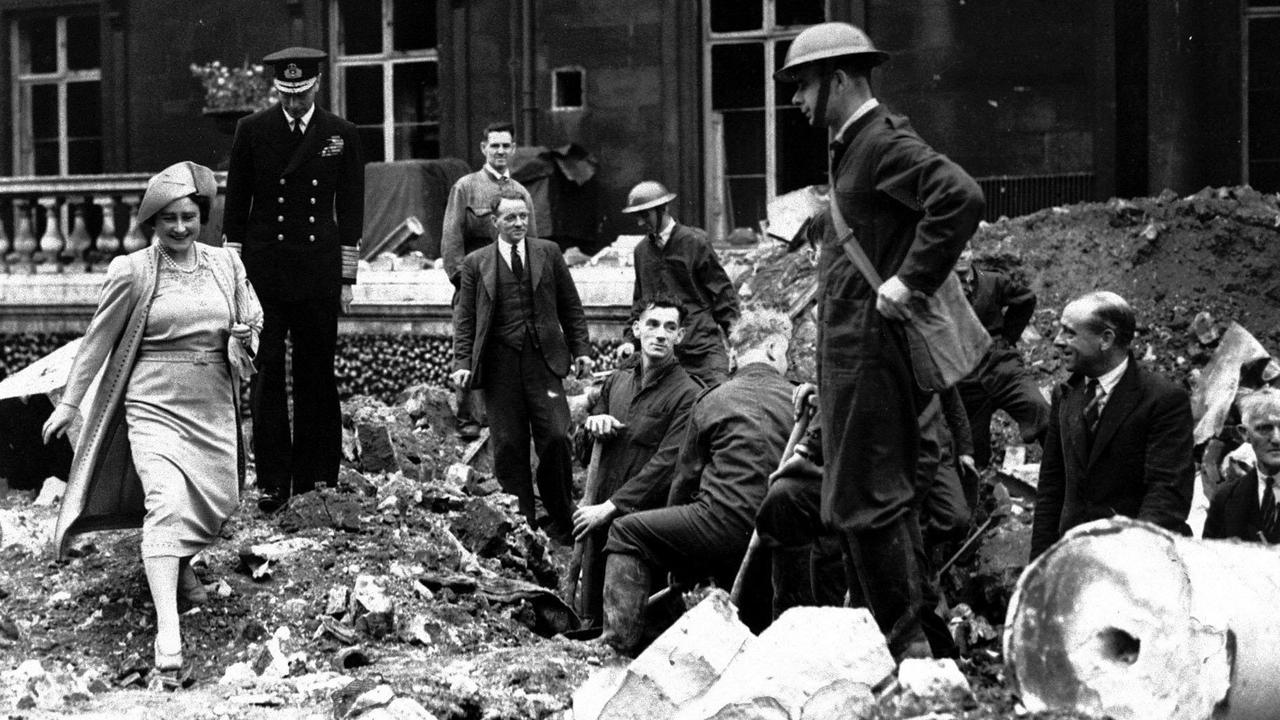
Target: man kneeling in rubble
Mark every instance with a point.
(640, 421)
(737, 432)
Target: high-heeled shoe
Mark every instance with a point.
(167, 661)
(190, 588)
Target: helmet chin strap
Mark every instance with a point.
(824, 94)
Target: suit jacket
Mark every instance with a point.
(1139, 465)
(560, 323)
(1234, 511)
(295, 214)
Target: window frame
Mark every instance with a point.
(1250, 12)
(386, 60)
(23, 156)
(770, 34)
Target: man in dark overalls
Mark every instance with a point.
(912, 211)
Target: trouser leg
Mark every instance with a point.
(549, 422)
(317, 418)
(887, 565)
(504, 395)
(272, 440)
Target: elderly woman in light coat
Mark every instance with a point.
(161, 445)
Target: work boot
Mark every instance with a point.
(792, 583)
(891, 580)
(626, 591)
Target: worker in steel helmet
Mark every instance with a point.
(678, 260)
(912, 211)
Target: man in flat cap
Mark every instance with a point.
(295, 210)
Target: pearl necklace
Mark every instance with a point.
(168, 260)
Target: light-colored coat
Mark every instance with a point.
(103, 490)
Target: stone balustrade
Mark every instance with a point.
(70, 224)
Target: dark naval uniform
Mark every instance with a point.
(295, 209)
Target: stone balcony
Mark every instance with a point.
(58, 234)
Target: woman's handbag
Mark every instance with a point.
(945, 338)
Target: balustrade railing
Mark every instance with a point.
(70, 224)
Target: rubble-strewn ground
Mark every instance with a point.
(469, 587)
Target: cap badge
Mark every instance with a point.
(292, 72)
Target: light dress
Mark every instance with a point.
(180, 413)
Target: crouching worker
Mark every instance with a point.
(736, 434)
(640, 421)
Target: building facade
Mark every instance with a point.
(1047, 102)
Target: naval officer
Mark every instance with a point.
(295, 210)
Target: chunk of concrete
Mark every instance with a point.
(840, 700)
(371, 606)
(682, 663)
(800, 654)
(933, 680)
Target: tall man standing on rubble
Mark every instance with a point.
(1000, 381)
(912, 211)
(640, 419)
(518, 329)
(1120, 436)
(468, 227)
(295, 210)
(678, 259)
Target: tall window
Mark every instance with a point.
(386, 75)
(1262, 96)
(758, 145)
(57, 92)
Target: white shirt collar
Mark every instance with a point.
(664, 234)
(1262, 483)
(863, 109)
(306, 117)
(1108, 380)
(504, 249)
(495, 174)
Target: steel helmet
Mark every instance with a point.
(647, 195)
(825, 42)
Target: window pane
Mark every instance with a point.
(414, 23)
(1264, 103)
(84, 156)
(737, 76)
(44, 111)
(84, 109)
(40, 38)
(416, 90)
(361, 27)
(46, 157)
(417, 141)
(744, 142)
(736, 15)
(802, 152)
(83, 48)
(747, 201)
(800, 12)
(362, 85)
(371, 143)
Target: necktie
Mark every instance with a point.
(1093, 408)
(1269, 525)
(517, 267)
(297, 129)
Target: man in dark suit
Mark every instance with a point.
(1120, 437)
(518, 328)
(295, 210)
(1246, 507)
